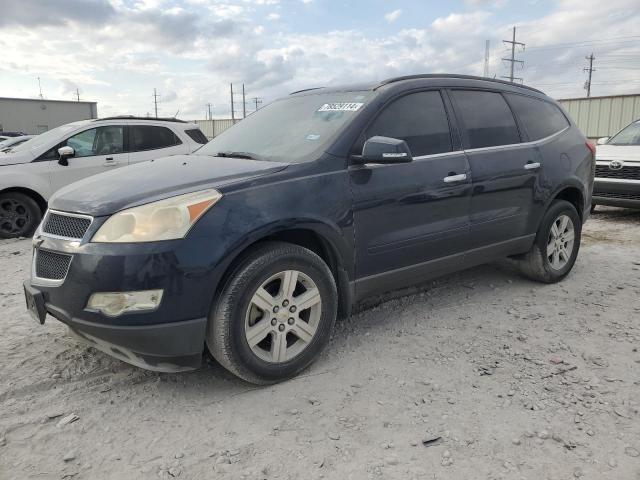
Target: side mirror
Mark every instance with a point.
(602, 140)
(384, 150)
(65, 153)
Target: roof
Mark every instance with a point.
(426, 76)
(46, 100)
(133, 117)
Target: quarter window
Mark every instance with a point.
(149, 137)
(419, 119)
(196, 135)
(487, 119)
(538, 117)
(97, 141)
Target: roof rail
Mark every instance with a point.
(133, 117)
(450, 75)
(306, 90)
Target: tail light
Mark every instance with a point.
(591, 146)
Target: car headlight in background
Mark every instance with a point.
(166, 219)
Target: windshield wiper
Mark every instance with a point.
(244, 155)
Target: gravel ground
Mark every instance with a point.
(511, 379)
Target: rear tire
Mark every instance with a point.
(274, 315)
(19, 215)
(556, 246)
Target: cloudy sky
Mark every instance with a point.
(117, 51)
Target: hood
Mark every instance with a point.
(618, 152)
(147, 182)
(15, 158)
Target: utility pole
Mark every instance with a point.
(78, 94)
(155, 101)
(209, 116)
(40, 88)
(513, 60)
(487, 46)
(589, 69)
(244, 103)
(257, 101)
(233, 108)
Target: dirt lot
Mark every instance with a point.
(519, 381)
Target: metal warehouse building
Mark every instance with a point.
(34, 116)
(603, 116)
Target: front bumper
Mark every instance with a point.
(170, 338)
(616, 192)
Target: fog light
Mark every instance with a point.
(113, 304)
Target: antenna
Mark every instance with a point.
(487, 46)
(40, 88)
(77, 94)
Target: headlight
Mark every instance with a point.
(163, 220)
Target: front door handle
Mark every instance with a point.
(109, 162)
(531, 165)
(455, 178)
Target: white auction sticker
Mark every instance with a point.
(340, 107)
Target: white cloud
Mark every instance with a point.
(273, 16)
(192, 49)
(393, 16)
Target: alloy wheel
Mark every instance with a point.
(560, 242)
(283, 316)
(14, 216)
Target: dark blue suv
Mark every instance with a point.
(253, 245)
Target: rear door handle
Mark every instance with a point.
(109, 162)
(531, 165)
(455, 178)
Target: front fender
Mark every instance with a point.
(20, 176)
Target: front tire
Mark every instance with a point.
(274, 315)
(19, 215)
(556, 246)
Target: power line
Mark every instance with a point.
(256, 101)
(513, 60)
(589, 69)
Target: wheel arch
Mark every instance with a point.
(321, 239)
(573, 194)
(42, 203)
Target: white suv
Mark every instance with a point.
(31, 172)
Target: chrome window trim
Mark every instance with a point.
(523, 144)
(65, 214)
(47, 282)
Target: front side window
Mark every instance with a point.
(539, 118)
(98, 141)
(150, 137)
(419, 119)
(630, 135)
(487, 119)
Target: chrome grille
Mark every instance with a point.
(627, 173)
(66, 225)
(51, 265)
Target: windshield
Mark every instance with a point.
(293, 129)
(45, 138)
(629, 135)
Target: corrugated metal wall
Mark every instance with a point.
(35, 116)
(603, 116)
(213, 128)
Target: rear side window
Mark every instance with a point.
(487, 119)
(150, 137)
(538, 117)
(196, 135)
(419, 119)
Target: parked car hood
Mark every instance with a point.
(11, 158)
(618, 152)
(145, 182)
